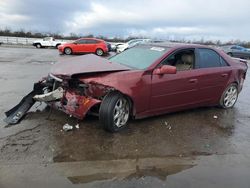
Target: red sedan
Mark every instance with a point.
(84, 45)
(143, 81)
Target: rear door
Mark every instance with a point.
(91, 45)
(213, 74)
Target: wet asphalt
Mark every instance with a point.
(205, 147)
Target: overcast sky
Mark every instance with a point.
(169, 19)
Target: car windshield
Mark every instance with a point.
(139, 57)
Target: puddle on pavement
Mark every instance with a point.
(138, 172)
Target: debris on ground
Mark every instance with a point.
(168, 125)
(67, 127)
(215, 117)
(207, 146)
(77, 126)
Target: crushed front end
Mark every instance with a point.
(67, 94)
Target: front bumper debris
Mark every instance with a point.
(71, 100)
(14, 115)
(51, 96)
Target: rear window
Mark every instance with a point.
(139, 57)
(209, 58)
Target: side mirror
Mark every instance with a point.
(165, 69)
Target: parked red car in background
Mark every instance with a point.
(84, 45)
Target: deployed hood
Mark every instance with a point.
(85, 64)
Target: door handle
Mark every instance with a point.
(224, 75)
(193, 80)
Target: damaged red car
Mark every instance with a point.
(143, 81)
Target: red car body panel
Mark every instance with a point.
(78, 105)
(85, 48)
(151, 94)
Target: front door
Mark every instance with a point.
(175, 91)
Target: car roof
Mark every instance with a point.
(90, 39)
(176, 45)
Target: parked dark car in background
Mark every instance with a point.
(237, 51)
(143, 81)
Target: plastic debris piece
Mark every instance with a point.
(67, 127)
(168, 125)
(215, 117)
(77, 126)
(207, 145)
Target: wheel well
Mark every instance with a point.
(237, 84)
(95, 109)
(130, 100)
(99, 49)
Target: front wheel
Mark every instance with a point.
(38, 45)
(229, 96)
(99, 52)
(68, 51)
(114, 112)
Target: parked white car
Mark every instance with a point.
(47, 42)
(121, 47)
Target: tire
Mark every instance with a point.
(114, 112)
(68, 51)
(38, 45)
(229, 96)
(99, 52)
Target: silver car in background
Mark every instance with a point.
(121, 47)
(237, 51)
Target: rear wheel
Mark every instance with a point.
(114, 112)
(99, 52)
(229, 96)
(68, 51)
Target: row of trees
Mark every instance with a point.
(73, 36)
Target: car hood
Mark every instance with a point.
(85, 64)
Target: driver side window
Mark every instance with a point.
(183, 60)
